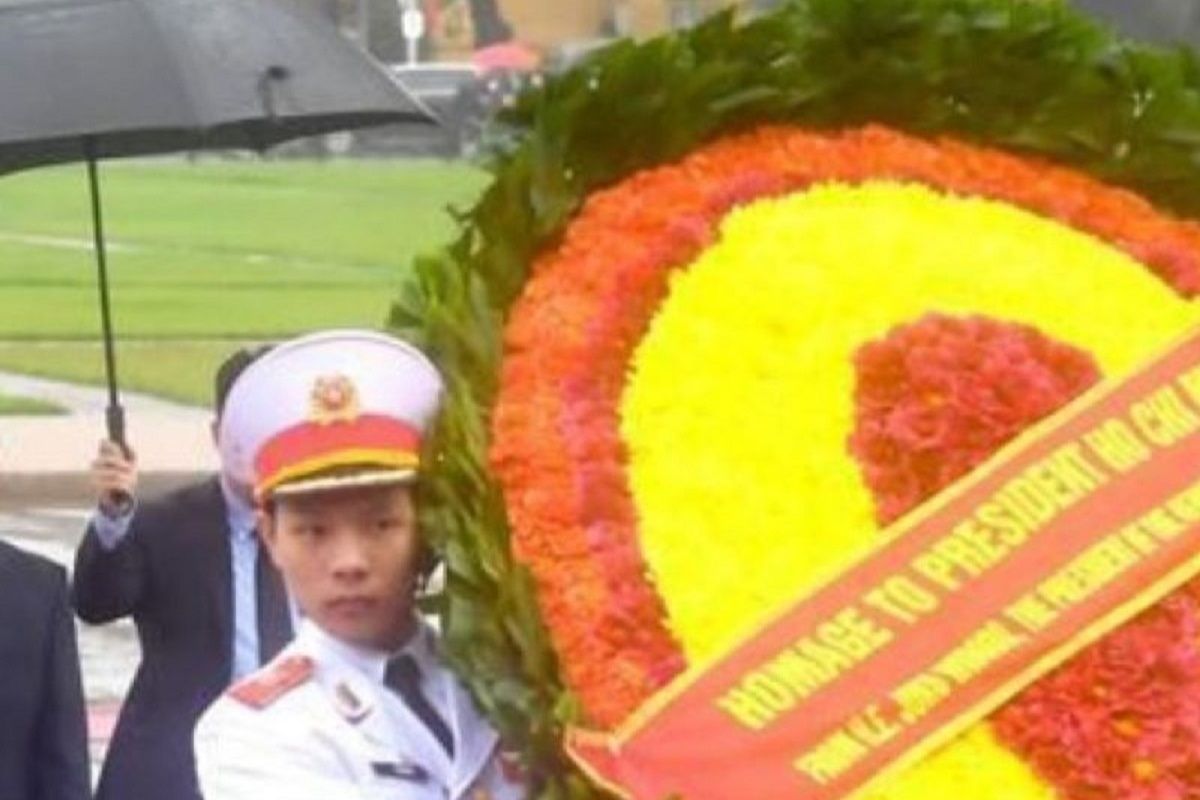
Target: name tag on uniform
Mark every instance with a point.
(401, 771)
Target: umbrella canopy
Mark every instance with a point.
(134, 77)
(91, 79)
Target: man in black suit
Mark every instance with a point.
(43, 733)
(208, 610)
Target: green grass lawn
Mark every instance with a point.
(176, 370)
(27, 406)
(220, 248)
(205, 255)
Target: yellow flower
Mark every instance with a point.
(739, 407)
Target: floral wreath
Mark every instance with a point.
(737, 298)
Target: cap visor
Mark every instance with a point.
(330, 483)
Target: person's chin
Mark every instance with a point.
(351, 619)
(359, 634)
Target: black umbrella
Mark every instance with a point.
(91, 79)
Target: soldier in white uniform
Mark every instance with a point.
(328, 429)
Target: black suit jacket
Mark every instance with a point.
(172, 573)
(43, 734)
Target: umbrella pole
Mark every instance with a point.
(114, 414)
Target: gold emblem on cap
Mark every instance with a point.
(334, 399)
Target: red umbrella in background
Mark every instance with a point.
(510, 55)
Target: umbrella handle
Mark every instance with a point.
(114, 417)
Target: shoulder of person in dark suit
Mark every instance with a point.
(43, 684)
(113, 582)
(34, 570)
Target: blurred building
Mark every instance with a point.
(549, 25)
(1162, 21)
(454, 28)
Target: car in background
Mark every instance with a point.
(464, 97)
(436, 83)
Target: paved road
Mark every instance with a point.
(91, 400)
(168, 437)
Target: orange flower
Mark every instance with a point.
(556, 447)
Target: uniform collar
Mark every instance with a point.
(369, 662)
(355, 685)
(420, 647)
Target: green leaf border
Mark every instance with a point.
(1030, 76)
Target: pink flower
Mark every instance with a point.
(938, 396)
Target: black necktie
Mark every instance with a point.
(273, 616)
(403, 676)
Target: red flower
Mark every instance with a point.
(937, 397)
(926, 417)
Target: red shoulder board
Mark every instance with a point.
(274, 681)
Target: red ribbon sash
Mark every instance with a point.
(1072, 529)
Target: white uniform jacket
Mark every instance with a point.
(317, 723)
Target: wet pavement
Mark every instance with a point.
(168, 437)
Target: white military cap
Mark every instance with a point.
(330, 409)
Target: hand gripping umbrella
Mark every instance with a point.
(92, 79)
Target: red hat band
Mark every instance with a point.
(313, 446)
